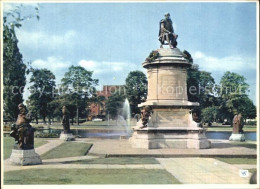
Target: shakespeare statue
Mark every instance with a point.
(166, 32)
(65, 120)
(145, 115)
(22, 131)
(238, 124)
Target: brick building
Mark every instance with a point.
(98, 110)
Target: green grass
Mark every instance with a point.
(89, 176)
(247, 145)
(116, 160)
(9, 142)
(252, 170)
(67, 149)
(250, 161)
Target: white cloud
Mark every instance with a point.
(52, 63)
(105, 67)
(44, 40)
(230, 63)
(109, 73)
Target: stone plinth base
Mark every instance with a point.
(67, 136)
(178, 138)
(237, 137)
(25, 157)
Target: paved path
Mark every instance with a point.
(49, 146)
(203, 171)
(113, 147)
(186, 170)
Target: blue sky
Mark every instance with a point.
(113, 39)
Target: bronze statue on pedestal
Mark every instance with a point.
(65, 120)
(22, 131)
(166, 32)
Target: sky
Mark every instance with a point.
(113, 39)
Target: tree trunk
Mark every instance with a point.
(77, 116)
(36, 119)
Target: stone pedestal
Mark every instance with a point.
(171, 124)
(237, 137)
(25, 157)
(67, 136)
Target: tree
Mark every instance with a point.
(114, 104)
(80, 86)
(209, 114)
(232, 92)
(43, 85)
(136, 90)
(14, 68)
(201, 87)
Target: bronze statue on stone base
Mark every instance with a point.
(22, 131)
(145, 115)
(166, 32)
(65, 120)
(238, 124)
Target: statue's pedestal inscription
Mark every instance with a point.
(170, 123)
(25, 157)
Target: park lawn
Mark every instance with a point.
(252, 170)
(89, 176)
(250, 161)
(9, 142)
(67, 149)
(116, 160)
(245, 144)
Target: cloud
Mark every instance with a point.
(109, 73)
(55, 64)
(46, 41)
(104, 67)
(230, 63)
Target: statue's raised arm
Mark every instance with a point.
(166, 32)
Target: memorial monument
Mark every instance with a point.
(23, 152)
(168, 119)
(66, 133)
(237, 133)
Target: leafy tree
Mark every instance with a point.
(114, 104)
(136, 90)
(201, 87)
(14, 68)
(80, 86)
(43, 85)
(209, 114)
(233, 94)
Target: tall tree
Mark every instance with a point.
(233, 92)
(201, 87)
(14, 73)
(80, 85)
(13, 65)
(43, 83)
(136, 90)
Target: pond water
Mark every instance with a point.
(226, 135)
(94, 133)
(114, 134)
